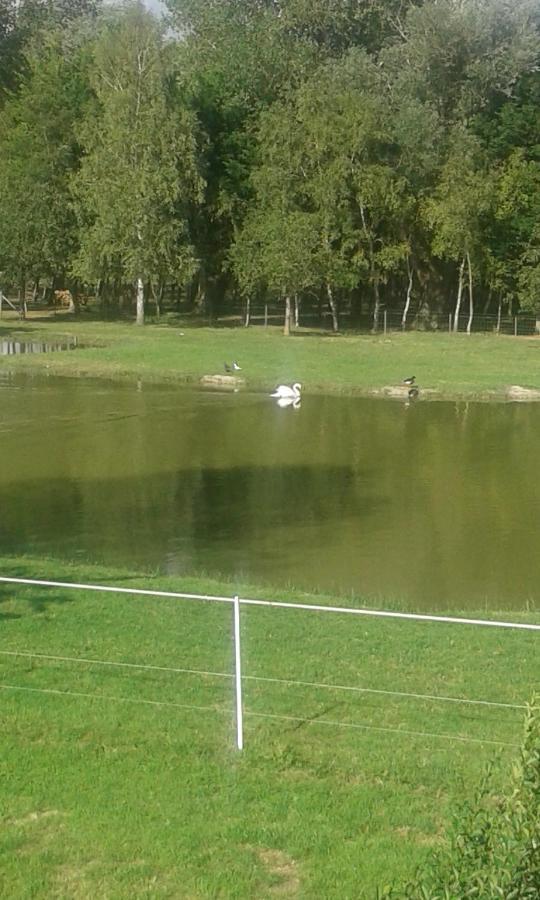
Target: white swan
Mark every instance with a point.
(288, 401)
(286, 392)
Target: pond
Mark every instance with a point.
(430, 506)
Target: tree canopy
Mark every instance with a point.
(364, 155)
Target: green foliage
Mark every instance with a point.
(38, 153)
(462, 56)
(139, 178)
(495, 842)
(324, 160)
(392, 137)
(461, 200)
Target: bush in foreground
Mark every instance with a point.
(494, 848)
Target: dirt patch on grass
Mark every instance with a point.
(422, 838)
(284, 869)
(33, 817)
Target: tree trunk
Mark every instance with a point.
(200, 301)
(287, 322)
(459, 295)
(140, 302)
(157, 295)
(372, 271)
(471, 304)
(410, 271)
(248, 313)
(499, 314)
(487, 304)
(296, 311)
(22, 299)
(377, 307)
(333, 307)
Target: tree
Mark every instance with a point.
(462, 56)
(457, 210)
(323, 156)
(514, 228)
(139, 178)
(275, 251)
(38, 153)
(235, 61)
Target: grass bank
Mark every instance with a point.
(122, 780)
(445, 366)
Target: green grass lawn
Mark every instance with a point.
(124, 781)
(444, 365)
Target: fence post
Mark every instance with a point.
(449, 323)
(515, 326)
(265, 315)
(384, 320)
(238, 675)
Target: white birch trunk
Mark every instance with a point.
(140, 302)
(377, 306)
(409, 293)
(333, 308)
(287, 322)
(459, 295)
(296, 311)
(471, 304)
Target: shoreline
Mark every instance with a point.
(358, 366)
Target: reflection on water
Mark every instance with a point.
(434, 505)
(12, 346)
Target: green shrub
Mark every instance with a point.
(494, 845)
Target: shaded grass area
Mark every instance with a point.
(447, 365)
(123, 780)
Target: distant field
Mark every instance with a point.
(123, 781)
(453, 366)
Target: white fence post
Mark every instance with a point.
(238, 675)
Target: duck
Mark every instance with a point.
(412, 393)
(410, 380)
(234, 367)
(283, 391)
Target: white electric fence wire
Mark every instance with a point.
(385, 614)
(106, 662)
(413, 696)
(56, 692)
(285, 681)
(418, 617)
(299, 719)
(113, 590)
(449, 737)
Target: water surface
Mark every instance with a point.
(435, 505)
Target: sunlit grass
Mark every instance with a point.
(104, 792)
(447, 365)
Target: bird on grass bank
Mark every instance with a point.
(233, 367)
(283, 391)
(410, 381)
(413, 393)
